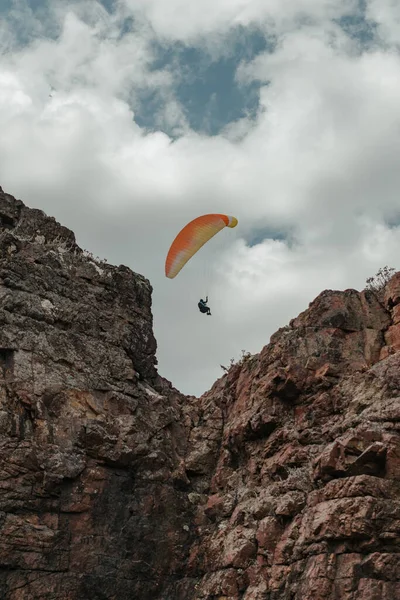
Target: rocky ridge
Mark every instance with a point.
(280, 483)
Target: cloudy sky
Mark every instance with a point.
(125, 119)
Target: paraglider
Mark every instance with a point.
(189, 241)
(203, 308)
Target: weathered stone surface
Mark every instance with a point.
(310, 452)
(282, 482)
(92, 484)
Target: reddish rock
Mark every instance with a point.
(268, 533)
(219, 506)
(353, 454)
(239, 548)
(311, 455)
(282, 481)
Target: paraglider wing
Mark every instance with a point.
(192, 237)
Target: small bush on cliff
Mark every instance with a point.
(380, 279)
(246, 357)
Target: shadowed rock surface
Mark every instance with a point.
(91, 438)
(280, 483)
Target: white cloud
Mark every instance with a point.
(320, 161)
(386, 13)
(189, 20)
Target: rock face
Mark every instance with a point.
(91, 438)
(280, 483)
(304, 496)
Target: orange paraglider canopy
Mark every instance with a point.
(192, 237)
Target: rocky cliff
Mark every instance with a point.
(91, 439)
(304, 496)
(280, 483)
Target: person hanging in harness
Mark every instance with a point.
(203, 308)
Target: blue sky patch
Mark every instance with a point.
(207, 89)
(257, 236)
(357, 26)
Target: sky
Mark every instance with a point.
(126, 119)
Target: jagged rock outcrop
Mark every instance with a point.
(304, 501)
(91, 439)
(280, 483)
